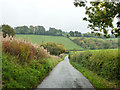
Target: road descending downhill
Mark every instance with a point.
(64, 75)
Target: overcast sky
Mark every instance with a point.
(61, 14)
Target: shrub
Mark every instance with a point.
(53, 48)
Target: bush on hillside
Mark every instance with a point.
(54, 49)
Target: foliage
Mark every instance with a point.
(97, 81)
(24, 65)
(101, 15)
(25, 51)
(40, 39)
(75, 34)
(40, 30)
(53, 48)
(96, 43)
(15, 75)
(7, 30)
(104, 63)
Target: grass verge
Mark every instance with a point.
(101, 67)
(97, 81)
(16, 75)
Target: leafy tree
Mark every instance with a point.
(101, 16)
(25, 29)
(52, 31)
(71, 33)
(40, 30)
(76, 33)
(59, 32)
(22, 30)
(6, 29)
(31, 29)
(79, 34)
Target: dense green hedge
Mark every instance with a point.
(102, 62)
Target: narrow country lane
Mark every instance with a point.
(64, 75)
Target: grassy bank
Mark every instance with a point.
(37, 39)
(24, 65)
(15, 75)
(102, 64)
(97, 81)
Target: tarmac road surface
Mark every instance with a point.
(64, 75)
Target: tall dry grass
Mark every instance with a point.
(24, 50)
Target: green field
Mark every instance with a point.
(97, 50)
(37, 39)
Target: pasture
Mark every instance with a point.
(38, 39)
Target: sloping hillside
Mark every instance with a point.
(96, 43)
(69, 45)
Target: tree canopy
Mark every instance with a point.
(40, 30)
(7, 30)
(101, 15)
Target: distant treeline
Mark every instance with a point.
(37, 30)
(40, 30)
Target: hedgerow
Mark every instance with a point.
(103, 62)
